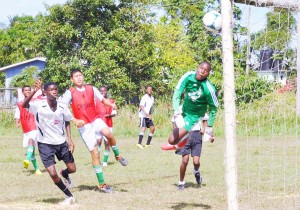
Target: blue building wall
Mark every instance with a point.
(11, 72)
(15, 70)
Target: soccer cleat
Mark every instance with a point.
(105, 188)
(67, 181)
(180, 187)
(26, 164)
(198, 178)
(139, 146)
(38, 172)
(122, 160)
(104, 164)
(68, 201)
(149, 146)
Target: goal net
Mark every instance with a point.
(268, 155)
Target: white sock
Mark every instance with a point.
(181, 183)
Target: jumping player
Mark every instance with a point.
(199, 98)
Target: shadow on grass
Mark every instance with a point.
(51, 200)
(94, 188)
(192, 185)
(178, 206)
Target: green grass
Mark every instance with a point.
(268, 165)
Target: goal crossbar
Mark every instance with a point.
(291, 4)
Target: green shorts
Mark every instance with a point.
(190, 121)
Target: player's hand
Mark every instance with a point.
(71, 145)
(209, 131)
(114, 107)
(18, 124)
(37, 85)
(78, 123)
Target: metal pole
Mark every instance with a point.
(248, 42)
(229, 106)
(298, 63)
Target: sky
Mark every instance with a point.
(11, 8)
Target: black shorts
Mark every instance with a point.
(146, 122)
(61, 151)
(194, 145)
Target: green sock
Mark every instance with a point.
(115, 150)
(30, 150)
(99, 174)
(35, 164)
(106, 155)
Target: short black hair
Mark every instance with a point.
(25, 86)
(207, 63)
(48, 84)
(74, 71)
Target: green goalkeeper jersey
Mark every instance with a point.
(200, 97)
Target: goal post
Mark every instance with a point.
(230, 155)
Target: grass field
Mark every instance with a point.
(150, 179)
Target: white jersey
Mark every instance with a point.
(50, 124)
(147, 102)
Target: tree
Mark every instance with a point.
(26, 77)
(19, 41)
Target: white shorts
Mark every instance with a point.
(30, 135)
(91, 132)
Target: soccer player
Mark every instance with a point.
(82, 98)
(193, 148)
(26, 120)
(199, 97)
(53, 123)
(106, 113)
(145, 111)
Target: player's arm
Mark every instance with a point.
(36, 87)
(108, 103)
(179, 90)
(213, 104)
(105, 101)
(69, 137)
(142, 108)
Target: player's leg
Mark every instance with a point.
(99, 143)
(184, 163)
(103, 129)
(177, 135)
(151, 133)
(65, 155)
(196, 147)
(28, 143)
(142, 132)
(47, 153)
(106, 152)
(99, 172)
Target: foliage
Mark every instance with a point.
(26, 77)
(19, 41)
(2, 79)
(278, 32)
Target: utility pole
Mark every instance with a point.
(248, 42)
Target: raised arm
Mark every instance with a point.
(36, 87)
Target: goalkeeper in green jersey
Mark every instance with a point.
(200, 97)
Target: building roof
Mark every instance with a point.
(23, 62)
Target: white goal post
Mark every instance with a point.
(229, 88)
